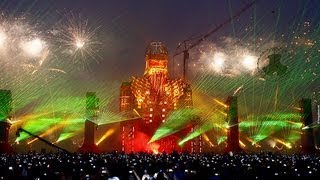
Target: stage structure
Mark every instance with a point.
(92, 108)
(152, 97)
(233, 125)
(307, 139)
(5, 110)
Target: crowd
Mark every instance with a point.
(142, 166)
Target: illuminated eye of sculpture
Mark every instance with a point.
(176, 92)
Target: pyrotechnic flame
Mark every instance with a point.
(77, 39)
(237, 90)
(79, 43)
(3, 38)
(33, 47)
(250, 62)
(218, 61)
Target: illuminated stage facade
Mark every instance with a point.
(151, 98)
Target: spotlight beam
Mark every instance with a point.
(107, 134)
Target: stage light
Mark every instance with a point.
(272, 143)
(32, 141)
(241, 143)
(134, 110)
(288, 145)
(64, 136)
(220, 103)
(107, 134)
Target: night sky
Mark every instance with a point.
(126, 26)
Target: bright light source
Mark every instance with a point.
(3, 38)
(241, 143)
(107, 134)
(33, 47)
(272, 143)
(249, 62)
(288, 145)
(218, 61)
(79, 43)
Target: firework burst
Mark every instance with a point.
(77, 39)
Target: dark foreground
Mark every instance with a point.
(163, 166)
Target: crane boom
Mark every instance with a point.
(186, 49)
(43, 140)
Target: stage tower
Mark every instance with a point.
(152, 97)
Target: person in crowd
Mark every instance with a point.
(175, 166)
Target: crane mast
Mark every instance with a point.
(187, 47)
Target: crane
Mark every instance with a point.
(185, 46)
(41, 139)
